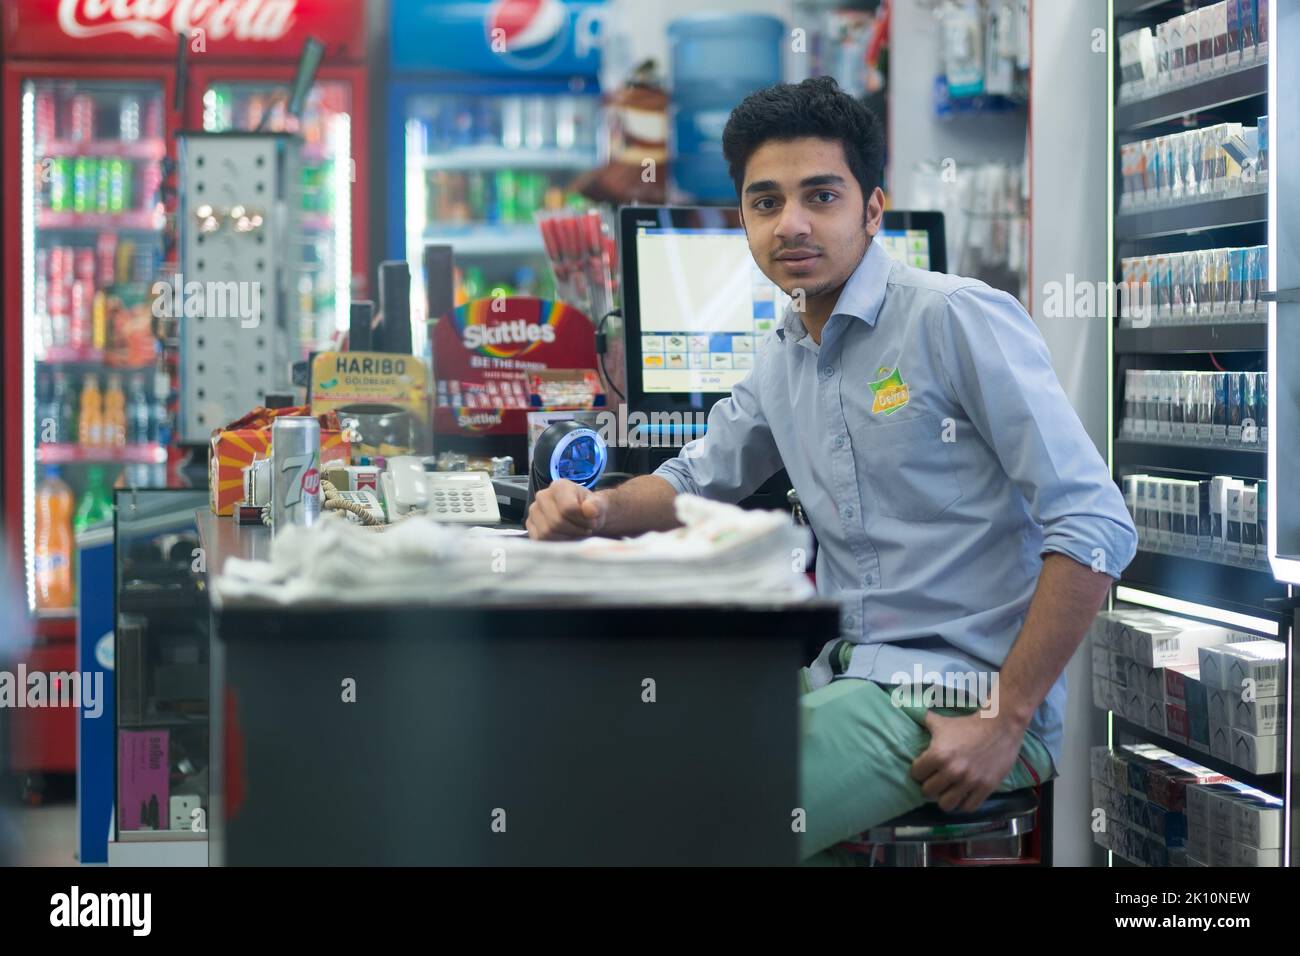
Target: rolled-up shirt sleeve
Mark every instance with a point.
(737, 452)
(1000, 370)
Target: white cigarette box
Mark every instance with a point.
(1177, 516)
(1258, 821)
(1160, 640)
(1232, 521)
(1245, 855)
(1154, 718)
(1255, 666)
(1263, 717)
(1257, 754)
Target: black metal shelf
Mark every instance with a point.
(1222, 337)
(1268, 782)
(1201, 459)
(1225, 586)
(1192, 217)
(1133, 8)
(1208, 94)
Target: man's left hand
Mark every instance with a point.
(968, 758)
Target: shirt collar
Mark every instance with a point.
(861, 298)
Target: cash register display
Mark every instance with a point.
(705, 305)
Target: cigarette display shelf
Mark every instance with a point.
(1230, 587)
(1210, 93)
(1216, 337)
(1238, 462)
(1214, 213)
(1127, 9)
(1268, 782)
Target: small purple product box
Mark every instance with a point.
(143, 773)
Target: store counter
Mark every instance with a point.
(503, 735)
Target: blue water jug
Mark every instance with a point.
(717, 60)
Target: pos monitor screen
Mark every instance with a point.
(696, 306)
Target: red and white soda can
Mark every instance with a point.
(150, 183)
(45, 119)
(152, 124)
(79, 314)
(81, 118)
(106, 256)
(84, 265)
(60, 266)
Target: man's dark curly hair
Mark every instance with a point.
(817, 107)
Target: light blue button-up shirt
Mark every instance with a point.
(933, 493)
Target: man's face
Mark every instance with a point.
(804, 214)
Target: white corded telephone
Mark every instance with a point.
(461, 496)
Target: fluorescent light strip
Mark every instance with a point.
(416, 221)
(30, 331)
(1176, 606)
(343, 176)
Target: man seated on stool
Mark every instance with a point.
(965, 521)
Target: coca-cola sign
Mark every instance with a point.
(147, 29)
(257, 20)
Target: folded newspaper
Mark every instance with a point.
(720, 555)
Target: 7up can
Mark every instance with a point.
(295, 471)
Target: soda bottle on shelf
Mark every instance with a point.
(44, 395)
(137, 412)
(67, 409)
(53, 558)
(90, 424)
(159, 426)
(95, 506)
(114, 413)
(54, 412)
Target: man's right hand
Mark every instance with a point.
(565, 511)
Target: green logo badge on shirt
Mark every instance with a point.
(890, 392)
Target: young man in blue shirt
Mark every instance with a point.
(965, 521)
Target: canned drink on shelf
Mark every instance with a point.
(150, 182)
(60, 176)
(128, 118)
(81, 118)
(512, 122)
(84, 264)
(106, 259)
(295, 471)
(45, 117)
(118, 185)
(539, 122)
(80, 307)
(152, 127)
(83, 185)
(103, 188)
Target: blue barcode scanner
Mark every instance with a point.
(567, 450)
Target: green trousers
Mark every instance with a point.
(856, 755)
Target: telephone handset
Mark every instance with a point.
(461, 496)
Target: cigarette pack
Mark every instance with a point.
(1258, 821)
(1219, 22)
(1233, 515)
(1261, 407)
(1234, 406)
(1233, 57)
(1160, 640)
(1249, 408)
(1205, 407)
(1247, 18)
(1153, 537)
(1261, 30)
(1154, 714)
(1258, 754)
(1177, 723)
(1218, 515)
(1205, 532)
(1223, 806)
(1249, 517)
(1166, 512)
(1177, 515)
(1131, 502)
(1219, 702)
(1262, 717)
(1261, 540)
(1189, 391)
(1205, 39)
(1219, 413)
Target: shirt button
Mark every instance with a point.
(848, 512)
(850, 622)
(830, 370)
(870, 580)
(839, 441)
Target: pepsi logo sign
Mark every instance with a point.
(528, 33)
